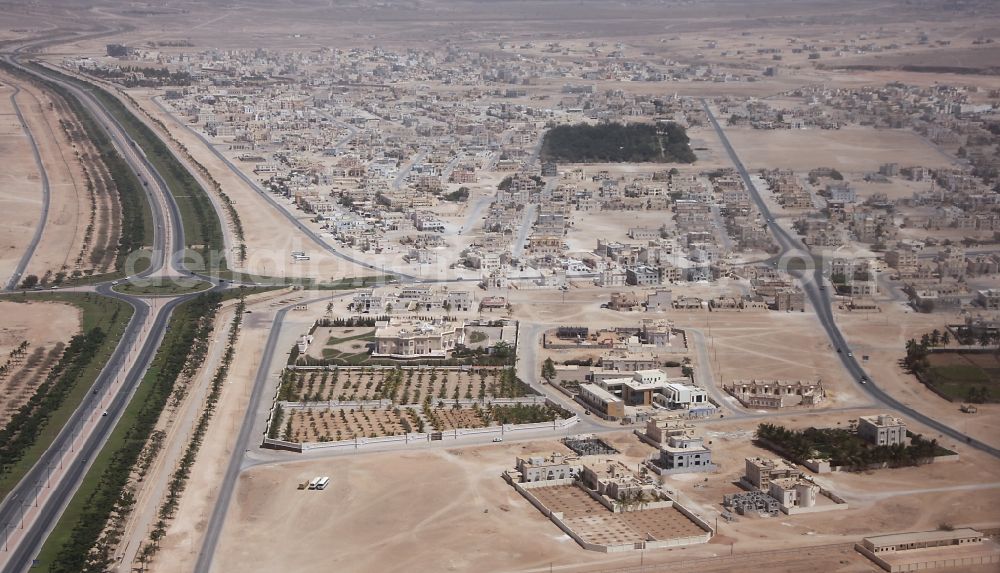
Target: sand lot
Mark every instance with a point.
(44, 325)
(448, 510)
(851, 149)
(21, 200)
(771, 345)
(63, 235)
(883, 337)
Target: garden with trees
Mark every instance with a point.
(843, 447)
(969, 375)
(665, 142)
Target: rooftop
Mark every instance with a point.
(923, 536)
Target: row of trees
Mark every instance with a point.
(131, 197)
(843, 447)
(14, 358)
(86, 550)
(205, 229)
(24, 427)
(179, 479)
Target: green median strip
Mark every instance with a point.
(202, 227)
(78, 543)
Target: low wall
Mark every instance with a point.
(525, 490)
(556, 517)
(420, 438)
(985, 558)
(273, 444)
(704, 525)
(813, 509)
(382, 404)
(824, 467)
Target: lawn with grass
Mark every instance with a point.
(160, 286)
(964, 376)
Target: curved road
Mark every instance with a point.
(70, 449)
(812, 279)
(43, 217)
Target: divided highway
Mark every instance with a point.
(31, 510)
(795, 255)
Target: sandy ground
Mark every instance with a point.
(69, 206)
(179, 549)
(883, 336)
(448, 510)
(21, 200)
(177, 423)
(773, 345)
(42, 325)
(851, 149)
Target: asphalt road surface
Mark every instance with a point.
(794, 255)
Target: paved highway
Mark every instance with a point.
(36, 503)
(794, 255)
(43, 217)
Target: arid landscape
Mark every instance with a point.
(521, 286)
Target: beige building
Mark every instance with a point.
(414, 339)
(776, 393)
(793, 492)
(760, 472)
(882, 430)
(921, 540)
(541, 468)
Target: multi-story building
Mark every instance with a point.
(541, 468)
(775, 393)
(760, 472)
(882, 430)
(989, 298)
(413, 339)
(642, 275)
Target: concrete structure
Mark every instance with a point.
(760, 472)
(752, 501)
(776, 393)
(882, 430)
(793, 492)
(541, 468)
(989, 298)
(919, 551)
(683, 452)
(646, 387)
(415, 339)
(303, 343)
(681, 394)
(921, 540)
(604, 402)
(642, 275)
